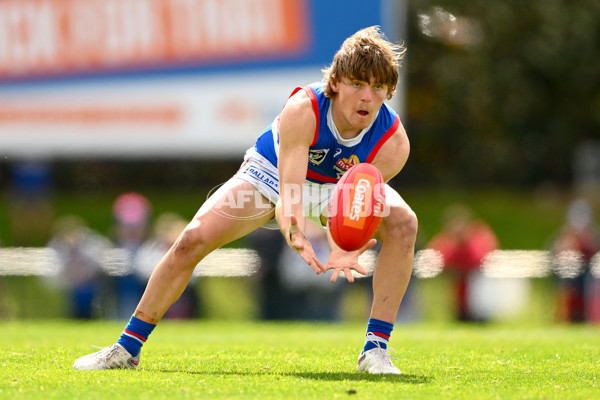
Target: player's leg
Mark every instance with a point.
(235, 210)
(230, 213)
(397, 232)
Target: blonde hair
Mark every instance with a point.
(366, 53)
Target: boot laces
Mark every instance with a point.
(384, 354)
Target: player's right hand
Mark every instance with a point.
(297, 241)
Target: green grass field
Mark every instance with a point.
(300, 360)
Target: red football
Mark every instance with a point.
(356, 206)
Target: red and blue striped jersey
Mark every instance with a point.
(330, 156)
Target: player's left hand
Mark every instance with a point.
(341, 260)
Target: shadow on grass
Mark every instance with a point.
(360, 377)
(317, 376)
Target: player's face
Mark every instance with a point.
(356, 104)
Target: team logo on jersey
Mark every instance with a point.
(343, 164)
(316, 156)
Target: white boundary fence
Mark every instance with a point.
(25, 261)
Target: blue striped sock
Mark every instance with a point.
(135, 335)
(378, 334)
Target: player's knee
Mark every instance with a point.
(401, 226)
(191, 242)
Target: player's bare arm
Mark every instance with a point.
(297, 126)
(393, 155)
(390, 160)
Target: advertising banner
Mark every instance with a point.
(152, 78)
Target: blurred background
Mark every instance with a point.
(118, 117)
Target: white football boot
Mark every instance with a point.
(377, 361)
(111, 357)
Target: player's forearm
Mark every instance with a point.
(284, 209)
(290, 200)
(293, 162)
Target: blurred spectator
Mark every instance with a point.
(131, 228)
(573, 249)
(30, 206)
(167, 228)
(314, 297)
(287, 287)
(273, 299)
(463, 242)
(79, 251)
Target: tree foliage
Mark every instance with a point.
(502, 93)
